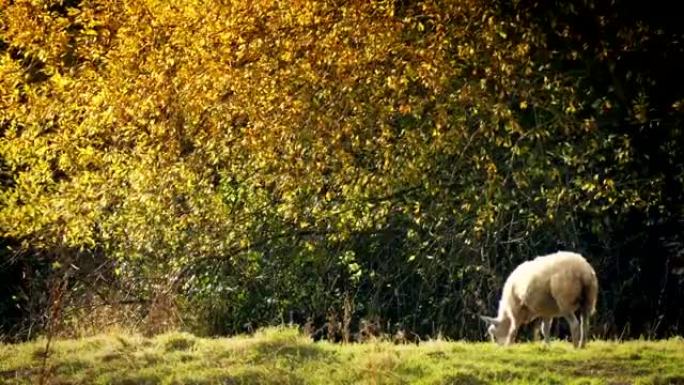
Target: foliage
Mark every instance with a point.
(283, 161)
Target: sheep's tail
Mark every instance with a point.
(589, 295)
(588, 305)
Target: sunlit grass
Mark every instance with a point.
(283, 356)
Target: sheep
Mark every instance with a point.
(555, 285)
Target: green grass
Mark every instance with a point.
(283, 356)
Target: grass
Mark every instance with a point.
(283, 356)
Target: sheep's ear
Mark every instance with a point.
(490, 320)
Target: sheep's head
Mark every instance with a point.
(497, 330)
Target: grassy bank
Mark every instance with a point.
(282, 356)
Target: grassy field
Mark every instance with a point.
(283, 356)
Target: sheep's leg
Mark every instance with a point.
(574, 328)
(537, 330)
(546, 329)
(512, 329)
(584, 329)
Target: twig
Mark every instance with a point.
(54, 315)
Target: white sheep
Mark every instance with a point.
(555, 285)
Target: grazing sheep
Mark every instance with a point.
(555, 285)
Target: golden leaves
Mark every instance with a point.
(312, 109)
